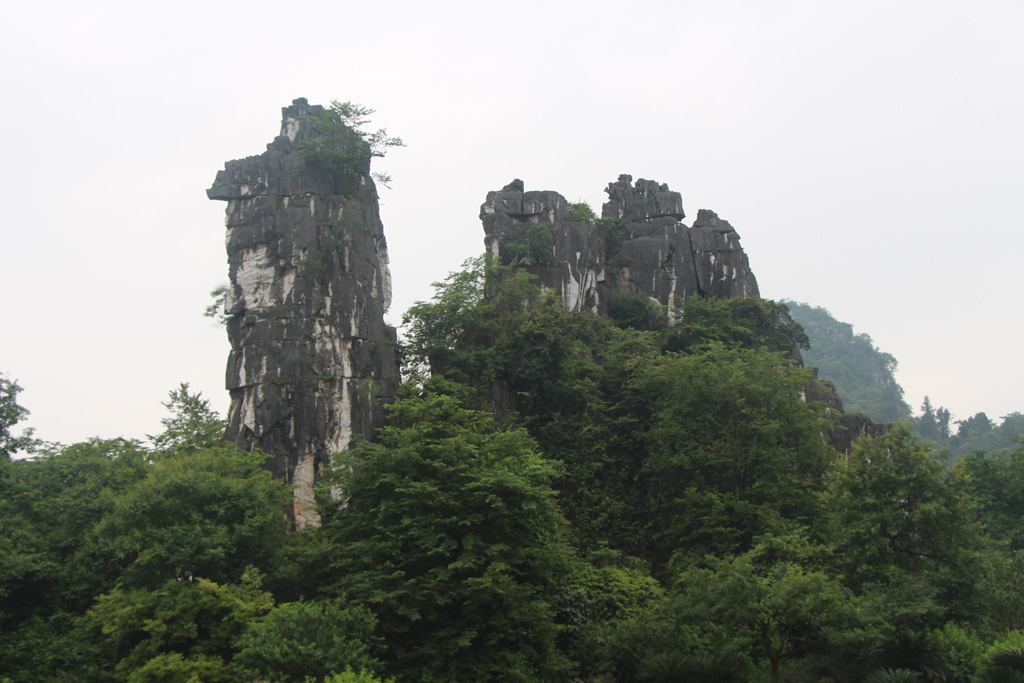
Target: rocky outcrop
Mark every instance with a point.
(846, 427)
(312, 361)
(639, 245)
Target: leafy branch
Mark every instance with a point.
(324, 149)
(354, 116)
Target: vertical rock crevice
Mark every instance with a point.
(312, 362)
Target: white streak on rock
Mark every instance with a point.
(288, 285)
(254, 277)
(291, 128)
(305, 500)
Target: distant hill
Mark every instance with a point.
(978, 433)
(862, 373)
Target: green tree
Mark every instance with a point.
(927, 425)
(11, 414)
(980, 433)
(210, 514)
(896, 511)
(435, 330)
(217, 308)
(350, 676)
(637, 311)
(355, 116)
(750, 322)
(733, 449)
(180, 630)
(964, 650)
(780, 611)
(572, 380)
(341, 140)
(606, 608)
(996, 484)
(449, 532)
(1004, 666)
(51, 564)
(193, 424)
(307, 639)
(76, 521)
(580, 211)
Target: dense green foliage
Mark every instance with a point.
(554, 497)
(449, 531)
(863, 373)
(749, 322)
(11, 414)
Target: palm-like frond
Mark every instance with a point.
(913, 650)
(893, 676)
(678, 667)
(998, 674)
(1010, 659)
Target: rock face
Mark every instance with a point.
(311, 362)
(640, 245)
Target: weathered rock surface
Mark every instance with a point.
(639, 246)
(312, 361)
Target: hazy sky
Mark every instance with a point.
(870, 154)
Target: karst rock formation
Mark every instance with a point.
(312, 361)
(640, 246)
(643, 249)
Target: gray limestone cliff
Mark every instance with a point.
(312, 361)
(639, 245)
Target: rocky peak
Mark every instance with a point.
(516, 205)
(639, 246)
(709, 220)
(311, 361)
(643, 201)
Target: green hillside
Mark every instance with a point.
(863, 374)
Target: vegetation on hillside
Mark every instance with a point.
(554, 497)
(866, 381)
(864, 374)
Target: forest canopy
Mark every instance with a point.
(554, 496)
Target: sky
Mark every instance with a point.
(870, 154)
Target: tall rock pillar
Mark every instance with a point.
(312, 362)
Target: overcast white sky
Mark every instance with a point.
(870, 154)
